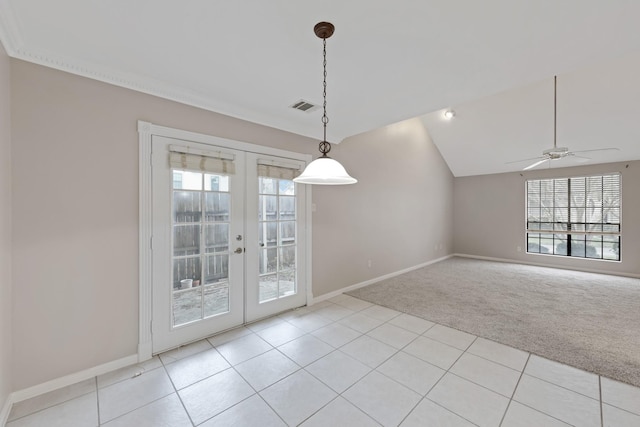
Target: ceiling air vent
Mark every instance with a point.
(305, 106)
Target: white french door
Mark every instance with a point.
(228, 239)
(275, 229)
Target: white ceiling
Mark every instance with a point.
(492, 61)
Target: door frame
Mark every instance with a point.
(145, 220)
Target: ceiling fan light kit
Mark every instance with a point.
(324, 170)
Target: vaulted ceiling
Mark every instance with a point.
(491, 61)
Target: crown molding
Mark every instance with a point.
(11, 39)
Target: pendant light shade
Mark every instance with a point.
(324, 170)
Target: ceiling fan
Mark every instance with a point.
(556, 152)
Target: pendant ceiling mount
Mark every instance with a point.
(324, 30)
(325, 170)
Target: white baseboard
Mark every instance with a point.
(37, 390)
(539, 264)
(6, 408)
(375, 280)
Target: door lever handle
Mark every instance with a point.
(239, 250)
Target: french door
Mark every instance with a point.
(228, 239)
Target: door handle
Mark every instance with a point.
(239, 250)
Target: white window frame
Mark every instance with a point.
(568, 232)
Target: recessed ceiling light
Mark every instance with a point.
(449, 114)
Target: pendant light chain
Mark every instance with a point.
(324, 170)
(324, 146)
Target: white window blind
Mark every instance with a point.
(578, 216)
(214, 162)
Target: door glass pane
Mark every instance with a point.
(287, 233)
(216, 269)
(217, 206)
(186, 240)
(187, 306)
(277, 238)
(287, 208)
(201, 236)
(268, 185)
(185, 180)
(268, 234)
(216, 182)
(287, 283)
(267, 208)
(186, 206)
(216, 299)
(268, 260)
(286, 187)
(268, 287)
(185, 269)
(287, 258)
(216, 238)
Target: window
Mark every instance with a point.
(575, 217)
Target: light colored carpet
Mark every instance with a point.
(590, 321)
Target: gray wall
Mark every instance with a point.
(75, 210)
(75, 203)
(6, 342)
(401, 208)
(489, 217)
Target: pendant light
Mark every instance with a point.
(324, 170)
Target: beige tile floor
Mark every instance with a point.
(342, 362)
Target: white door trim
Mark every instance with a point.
(145, 218)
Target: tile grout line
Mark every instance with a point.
(543, 413)
(303, 368)
(256, 392)
(514, 390)
(97, 399)
(449, 410)
(175, 390)
(601, 404)
(232, 366)
(536, 409)
(563, 387)
(270, 407)
(493, 361)
(446, 371)
(318, 410)
(340, 394)
(50, 406)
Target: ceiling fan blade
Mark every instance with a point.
(526, 160)
(539, 162)
(581, 159)
(597, 149)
